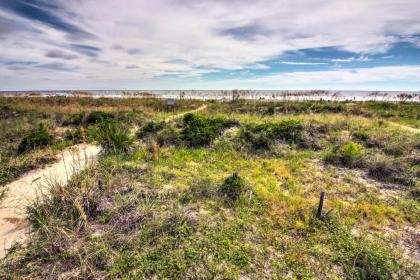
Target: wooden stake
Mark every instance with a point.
(321, 204)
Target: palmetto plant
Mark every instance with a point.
(112, 136)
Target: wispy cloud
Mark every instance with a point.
(302, 63)
(352, 59)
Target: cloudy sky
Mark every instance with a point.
(210, 44)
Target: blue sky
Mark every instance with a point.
(204, 44)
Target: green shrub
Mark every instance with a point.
(350, 154)
(232, 187)
(111, 136)
(288, 130)
(168, 136)
(99, 116)
(199, 131)
(75, 119)
(256, 136)
(415, 192)
(262, 136)
(74, 135)
(150, 128)
(40, 138)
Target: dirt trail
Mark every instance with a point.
(405, 127)
(183, 113)
(22, 192)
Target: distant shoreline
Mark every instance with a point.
(274, 95)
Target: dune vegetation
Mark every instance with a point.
(229, 191)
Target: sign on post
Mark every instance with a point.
(170, 103)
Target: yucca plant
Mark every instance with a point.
(111, 136)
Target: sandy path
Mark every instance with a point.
(184, 113)
(22, 192)
(405, 127)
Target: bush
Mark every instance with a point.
(75, 119)
(111, 136)
(150, 128)
(262, 136)
(99, 116)
(74, 135)
(256, 136)
(40, 138)
(388, 170)
(348, 155)
(199, 131)
(232, 187)
(288, 130)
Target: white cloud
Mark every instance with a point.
(143, 40)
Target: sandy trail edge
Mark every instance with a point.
(22, 192)
(180, 115)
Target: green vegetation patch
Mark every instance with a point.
(38, 139)
(199, 131)
(232, 188)
(263, 136)
(349, 154)
(112, 136)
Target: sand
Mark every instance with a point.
(21, 193)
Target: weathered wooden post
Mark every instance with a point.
(321, 204)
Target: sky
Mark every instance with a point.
(209, 44)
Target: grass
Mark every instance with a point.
(192, 199)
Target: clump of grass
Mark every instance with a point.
(112, 136)
(199, 131)
(232, 188)
(363, 258)
(39, 138)
(99, 116)
(74, 119)
(263, 136)
(387, 169)
(349, 154)
(74, 135)
(151, 127)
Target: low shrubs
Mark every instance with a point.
(74, 135)
(349, 154)
(263, 136)
(193, 131)
(99, 116)
(199, 131)
(151, 127)
(75, 119)
(39, 138)
(362, 258)
(232, 188)
(387, 169)
(111, 136)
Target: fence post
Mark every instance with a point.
(321, 204)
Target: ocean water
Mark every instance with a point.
(302, 95)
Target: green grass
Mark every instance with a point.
(192, 200)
